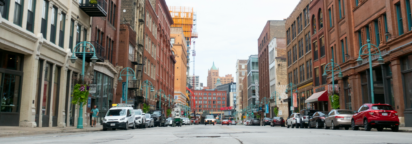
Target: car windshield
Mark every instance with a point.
(345, 112)
(116, 112)
(277, 118)
(382, 107)
(137, 112)
(209, 117)
(266, 118)
(147, 115)
(225, 120)
(169, 118)
(156, 113)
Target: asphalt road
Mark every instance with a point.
(201, 134)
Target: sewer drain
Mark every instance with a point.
(207, 136)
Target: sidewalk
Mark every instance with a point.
(405, 129)
(9, 131)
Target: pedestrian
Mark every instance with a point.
(95, 113)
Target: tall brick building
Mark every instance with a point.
(299, 53)
(241, 72)
(213, 76)
(272, 29)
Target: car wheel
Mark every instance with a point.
(353, 125)
(333, 126)
(395, 128)
(134, 126)
(104, 129)
(366, 125)
(293, 126)
(380, 128)
(126, 126)
(325, 126)
(297, 125)
(346, 128)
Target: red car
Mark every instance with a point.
(376, 116)
(277, 121)
(194, 121)
(226, 122)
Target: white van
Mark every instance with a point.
(119, 117)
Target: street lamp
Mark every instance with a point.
(274, 94)
(160, 91)
(73, 58)
(291, 86)
(331, 67)
(369, 54)
(146, 84)
(127, 71)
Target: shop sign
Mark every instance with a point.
(226, 108)
(295, 101)
(92, 88)
(89, 102)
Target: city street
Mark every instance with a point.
(200, 134)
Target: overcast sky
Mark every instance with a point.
(229, 29)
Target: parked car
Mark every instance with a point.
(225, 122)
(233, 122)
(305, 115)
(194, 121)
(277, 121)
(338, 118)
(255, 121)
(266, 121)
(317, 120)
(159, 118)
(248, 122)
(169, 121)
(119, 117)
(139, 118)
(186, 121)
(377, 116)
(149, 120)
(210, 120)
(293, 120)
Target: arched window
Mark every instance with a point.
(320, 19)
(314, 24)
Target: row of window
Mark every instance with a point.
(150, 46)
(299, 49)
(210, 102)
(293, 76)
(210, 106)
(295, 29)
(150, 69)
(214, 98)
(151, 24)
(219, 94)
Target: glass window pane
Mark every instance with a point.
(10, 95)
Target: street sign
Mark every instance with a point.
(89, 102)
(92, 88)
(244, 117)
(267, 108)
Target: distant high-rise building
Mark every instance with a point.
(193, 83)
(241, 72)
(213, 76)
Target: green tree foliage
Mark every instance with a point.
(93, 1)
(146, 108)
(335, 102)
(168, 112)
(276, 111)
(80, 94)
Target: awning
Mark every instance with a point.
(319, 96)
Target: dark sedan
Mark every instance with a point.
(317, 120)
(266, 121)
(277, 121)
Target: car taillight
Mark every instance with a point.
(322, 117)
(293, 118)
(339, 117)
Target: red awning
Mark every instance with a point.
(319, 96)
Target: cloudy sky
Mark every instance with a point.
(229, 29)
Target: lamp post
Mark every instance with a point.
(331, 67)
(273, 96)
(290, 88)
(127, 71)
(146, 84)
(73, 58)
(369, 54)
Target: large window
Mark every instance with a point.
(322, 70)
(348, 99)
(386, 26)
(103, 98)
(342, 45)
(295, 54)
(377, 36)
(53, 25)
(407, 83)
(61, 28)
(71, 34)
(360, 38)
(340, 8)
(316, 52)
(30, 15)
(408, 13)
(320, 19)
(4, 10)
(330, 17)
(44, 17)
(317, 77)
(314, 24)
(399, 18)
(18, 12)
(322, 46)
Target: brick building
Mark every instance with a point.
(387, 24)
(241, 72)
(299, 53)
(210, 100)
(180, 51)
(272, 29)
(213, 76)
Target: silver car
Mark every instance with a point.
(293, 120)
(169, 121)
(338, 118)
(255, 121)
(149, 120)
(139, 118)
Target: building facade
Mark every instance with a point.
(194, 83)
(252, 79)
(230, 89)
(241, 72)
(277, 74)
(210, 100)
(179, 49)
(213, 76)
(37, 40)
(272, 29)
(299, 55)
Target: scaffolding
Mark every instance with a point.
(183, 17)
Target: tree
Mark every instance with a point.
(80, 94)
(335, 101)
(146, 108)
(93, 1)
(168, 112)
(276, 111)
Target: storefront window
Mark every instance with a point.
(10, 86)
(365, 89)
(56, 91)
(407, 76)
(348, 100)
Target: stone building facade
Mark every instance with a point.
(299, 54)
(241, 72)
(180, 51)
(213, 76)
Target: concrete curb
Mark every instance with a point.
(48, 132)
